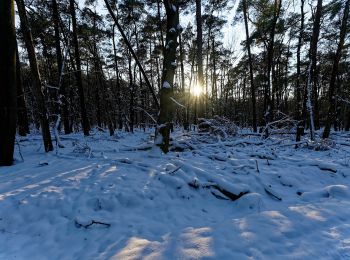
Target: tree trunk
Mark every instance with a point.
(37, 83)
(299, 105)
(252, 86)
(169, 66)
(23, 124)
(182, 54)
(331, 91)
(8, 106)
(120, 121)
(312, 66)
(61, 85)
(199, 43)
(131, 104)
(270, 52)
(160, 23)
(84, 118)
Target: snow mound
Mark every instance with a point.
(332, 191)
(250, 202)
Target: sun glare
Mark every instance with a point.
(197, 90)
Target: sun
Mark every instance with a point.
(197, 90)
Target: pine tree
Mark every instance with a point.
(8, 106)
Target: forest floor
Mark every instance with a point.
(119, 197)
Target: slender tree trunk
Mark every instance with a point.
(61, 85)
(120, 120)
(337, 57)
(183, 88)
(207, 72)
(106, 106)
(299, 105)
(131, 104)
(37, 83)
(169, 65)
(23, 124)
(8, 106)
(270, 50)
(214, 78)
(347, 125)
(84, 118)
(160, 23)
(252, 85)
(199, 43)
(312, 66)
(182, 64)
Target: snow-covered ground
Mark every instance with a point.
(114, 198)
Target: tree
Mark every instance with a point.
(332, 83)
(8, 106)
(252, 85)
(37, 82)
(169, 65)
(84, 118)
(22, 117)
(312, 76)
(299, 103)
(199, 42)
(270, 59)
(61, 86)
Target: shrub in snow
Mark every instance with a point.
(82, 149)
(218, 126)
(321, 145)
(283, 124)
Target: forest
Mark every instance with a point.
(228, 118)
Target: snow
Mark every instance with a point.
(166, 84)
(174, 8)
(119, 197)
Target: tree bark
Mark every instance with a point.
(299, 105)
(312, 67)
(22, 122)
(169, 66)
(61, 85)
(270, 52)
(251, 75)
(120, 121)
(84, 118)
(337, 57)
(199, 43)
(8, 106)
(37, 83)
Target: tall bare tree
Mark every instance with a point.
(62, 87)
(169, 65)
(37, 85)
(251, 75)
(299, 102)
(199, 42)
(337, 56)
(84, 118)
(8, 106)
(312, 76)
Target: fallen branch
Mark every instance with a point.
(270, 192)
(230, 196)
(93, 222)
